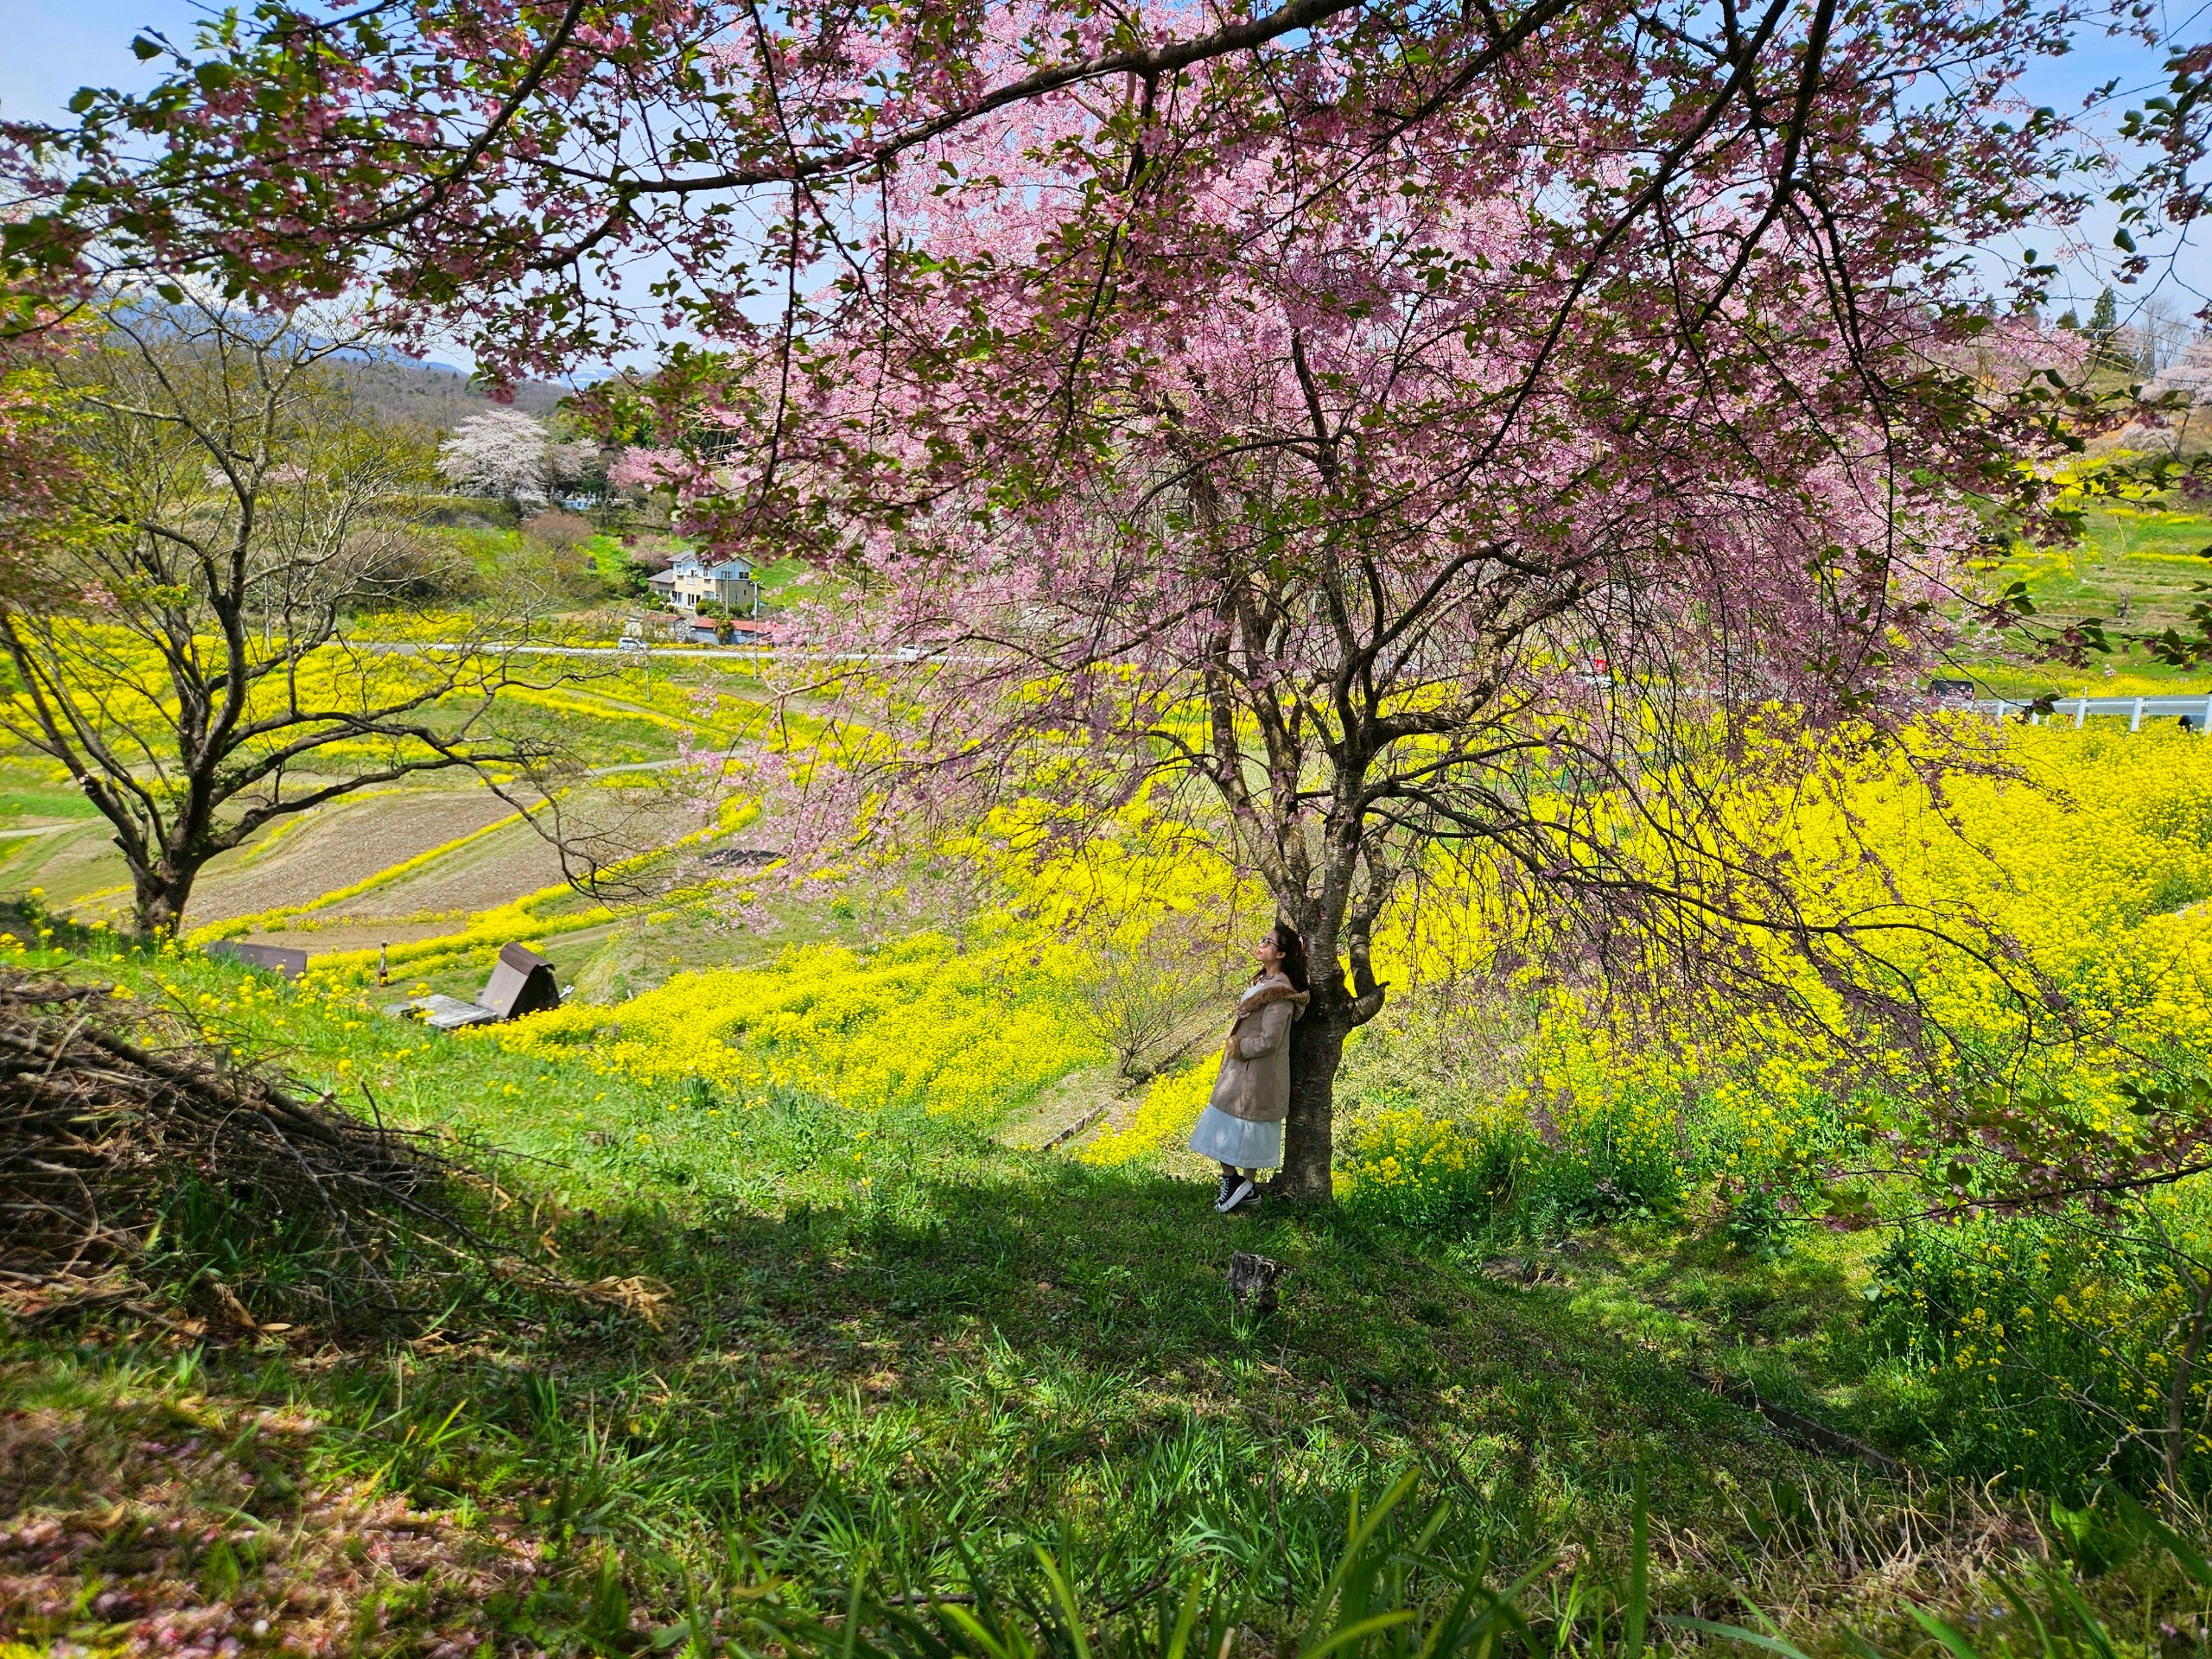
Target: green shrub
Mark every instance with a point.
(1445, 1176)
(1761, 1221)
(1610, 1166)
(1436, 1175)
(2043, 1348)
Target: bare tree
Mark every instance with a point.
(186, 659)
(2163, 333)
(1145, 994)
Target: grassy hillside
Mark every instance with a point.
(2138, 566)
(816, 1340)
(777, 1302)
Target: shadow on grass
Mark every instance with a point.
(970, 1357)
(887, 1340)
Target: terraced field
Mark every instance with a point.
(2141, 568)
(404, 866)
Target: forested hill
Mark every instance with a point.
(437, 395)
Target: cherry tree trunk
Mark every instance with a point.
(158, 898)
(1317, 1049)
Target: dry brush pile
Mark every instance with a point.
(144, 1171)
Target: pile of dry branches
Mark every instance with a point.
(138, 1165)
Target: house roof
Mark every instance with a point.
(691, 564)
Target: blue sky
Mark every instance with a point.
(50, 47)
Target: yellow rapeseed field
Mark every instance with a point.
(2084, 878)
(926, 1022)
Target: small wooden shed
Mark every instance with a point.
(521, 983)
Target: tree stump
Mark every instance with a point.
(1252, 1281)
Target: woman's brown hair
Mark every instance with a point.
(1294, 955)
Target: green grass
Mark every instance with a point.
(773, 579)
(886, 1346)
(613, 561)
(889, 1335)
(2135, 570)
(30, 792)
(64, 827)
(485, 546)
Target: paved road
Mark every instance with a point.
(642, 653)
(2195, 706)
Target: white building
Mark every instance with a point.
(692, 582)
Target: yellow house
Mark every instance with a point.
(692, 582)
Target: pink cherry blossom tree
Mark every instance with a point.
(1484, 506)
(1438, 432)
(520, 157)
(553, 180)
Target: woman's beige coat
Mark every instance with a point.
(1255, 1080)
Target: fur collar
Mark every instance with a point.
(1276, 988)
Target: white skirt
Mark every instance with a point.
(1237, 1141)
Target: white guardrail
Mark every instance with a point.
(2194, 709)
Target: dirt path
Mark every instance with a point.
(1071, 1110)
(343, 843)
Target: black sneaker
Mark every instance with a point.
(1234, 1193)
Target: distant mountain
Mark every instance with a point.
(436, 394)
